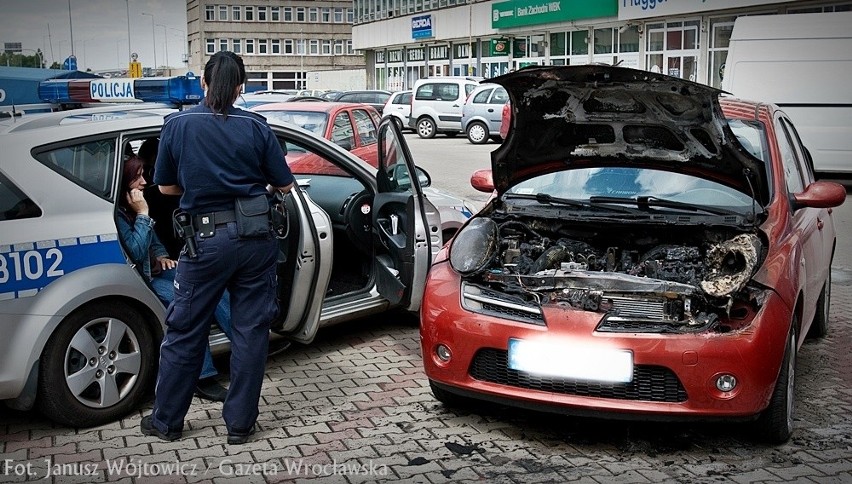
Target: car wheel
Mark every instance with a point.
(819, 328)
(97, 366)
(426, 128)
(477, 133)
(775, 424)
(447, 398)
(398, 123)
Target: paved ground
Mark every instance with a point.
(355, 407)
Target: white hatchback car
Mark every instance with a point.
(80, 324)
(436, 106)
(398, 108)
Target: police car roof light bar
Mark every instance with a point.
(178, 90)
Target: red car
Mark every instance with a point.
(652, 251)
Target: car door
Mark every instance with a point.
(494, 111)
(304, 262)
(400, 225)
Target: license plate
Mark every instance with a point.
(566, 360)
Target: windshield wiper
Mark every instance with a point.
(645, 202)
(547, 199)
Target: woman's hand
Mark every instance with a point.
(136, 201)
(167, 263)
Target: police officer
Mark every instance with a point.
(214, 155)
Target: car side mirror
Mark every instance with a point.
(423, 177)
(482, 180)
(820, 194)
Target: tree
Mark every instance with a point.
(20, 60)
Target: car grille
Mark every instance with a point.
(650, 383)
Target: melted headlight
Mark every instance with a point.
(474, 246)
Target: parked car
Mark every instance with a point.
(250, 100)
(353, 127)
(375, 97)
(505, 120)
(652, 252)
(81, 326)
(398, 108)
(436, 106)
(481, 113)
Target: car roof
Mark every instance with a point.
(130, 113)
(320, 107)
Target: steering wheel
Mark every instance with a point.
(357, 217)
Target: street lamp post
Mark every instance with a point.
(127, 4)
(165, 44)
(185, 59)
(153, 39)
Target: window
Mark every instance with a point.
(792, 173)
(338, 15)
(326, 47)
(249, 46)
(288, 14)
(482, 97)
(720, 38)
(262, 46)
(314, 47)
(580, 42)
(211, 46)
(806, 163)
(341, 132)
(350, 15)
(223, 13)
(313, 15)
(326, 15)
(288, 46)
(603, 41)
(364, 127)
(223, 44)
(261, 14)
(249, 14)
(209, 13)
(349, 49)
(500, 96)
(276, 46)
(339, 47)
(90, 164)
(275, 12)
(300, 14)
(14, 204)
(300, 46)
(236, 13)
(237, 46)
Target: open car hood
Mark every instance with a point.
(594, 115)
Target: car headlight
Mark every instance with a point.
(474, 246)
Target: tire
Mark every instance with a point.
(477, 133)
(775, 424)
(397, 122)
(85, 356)
(819, 327)
(426, 128)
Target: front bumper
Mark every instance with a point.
(674, 374)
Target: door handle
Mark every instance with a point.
(820, 224)
(490, 110)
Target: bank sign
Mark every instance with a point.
(636, 9)
(421, 27)
(518, 13)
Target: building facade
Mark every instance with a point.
(404, 40)
(279, 41)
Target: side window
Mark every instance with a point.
(90, 164)
(365, 126)
(448, 92)
(792, 173)
(500, 96)
(405, 98)
(426, 92)
(482, 97)
(304, 160)
(394, 175)
(14, 204)
(805, 162)
(468, 88)
(342, 130)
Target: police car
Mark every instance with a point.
(80, 325)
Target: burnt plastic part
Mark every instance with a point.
(474, 246)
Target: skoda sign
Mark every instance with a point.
(421, 27)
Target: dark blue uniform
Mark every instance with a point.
(216, 161)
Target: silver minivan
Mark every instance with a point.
(436, 106)
(482, 113)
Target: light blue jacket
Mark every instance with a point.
(139, 239)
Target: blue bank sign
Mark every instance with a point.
(421, 27)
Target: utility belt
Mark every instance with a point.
(253, 215)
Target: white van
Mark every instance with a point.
(436, 106)
(802, 63)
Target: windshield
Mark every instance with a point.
(314, 122)
(583, 184)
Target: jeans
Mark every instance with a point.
(163, 285)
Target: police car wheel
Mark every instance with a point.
(97, 366)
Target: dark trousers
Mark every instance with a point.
(246, 268)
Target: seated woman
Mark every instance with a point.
(135, 228)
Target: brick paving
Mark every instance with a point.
(355, 407)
